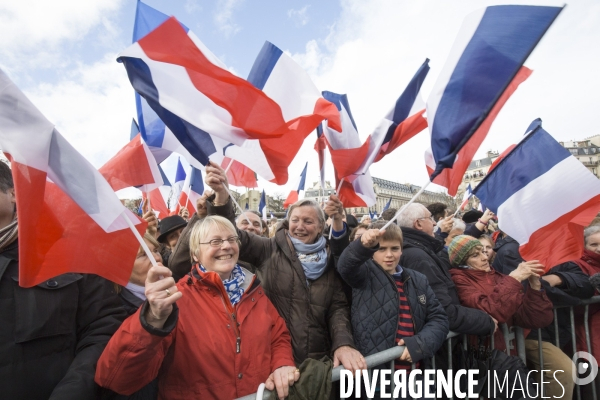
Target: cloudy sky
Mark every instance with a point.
(62, 54)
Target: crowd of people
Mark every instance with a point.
(226, 302)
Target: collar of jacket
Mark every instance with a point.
(501, 242)
(11, 251)
(213, 280)
(413, 236)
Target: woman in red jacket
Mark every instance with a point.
(220, 341)
(508, 301)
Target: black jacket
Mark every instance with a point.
(508, 257)
(419, 254)
(375, 305)
(51, 335)
(576, 286)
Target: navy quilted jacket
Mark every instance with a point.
(375, 307)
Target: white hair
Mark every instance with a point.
(589, 231)
(456, 224)
(410, 214)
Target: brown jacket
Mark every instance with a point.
(316, 312)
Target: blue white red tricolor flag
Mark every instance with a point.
(207, 108)
(262, 206)
(280, 78)
(238, 174)
(133, 165)
(544, 198)
(483, 69)
(193, 188)
(156, 134)
(403, 121)
(62, 201)
(466, 196)
(387, 205)
(293, 196)
(180, 178)
(159, 197)
(347, 156)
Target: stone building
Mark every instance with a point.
(586, 151)
(399, 192)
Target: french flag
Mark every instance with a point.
(180, 178)
(193, 190)
(466, 197)
(204, 105)
(133, 165)
(62, 201)
(403, 121)
(262, 206)
(238, 174)
(320, 146)
(159, 138)
(543, 196)
(159, 197)
(293, 196)
(280, 78)
(484, 68)
(347, 157)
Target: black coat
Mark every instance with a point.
(419, 254)
(508, 257)
(375, 306)
(51, 335)
(576, 286)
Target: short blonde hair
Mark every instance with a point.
(308, 203)
(392, 232)
(203, 228)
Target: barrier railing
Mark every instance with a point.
(514, 335)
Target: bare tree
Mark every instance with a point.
(276, 202)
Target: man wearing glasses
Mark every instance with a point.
(420, 254)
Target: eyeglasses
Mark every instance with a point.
(219, 242)
(430, 217)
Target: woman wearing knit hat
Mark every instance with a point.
(508, 301)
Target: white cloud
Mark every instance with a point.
(191, 6)
(300, 16)
(375, 48)
(30, 24)
(224, 17)
(92, 112)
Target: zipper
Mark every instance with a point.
(233, 317)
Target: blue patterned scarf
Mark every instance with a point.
(313, 257)
(233, 285)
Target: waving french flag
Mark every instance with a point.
(348, 154)
(133, 165)
(204, 105)
(238, 174)
(159, 197)
(483, 69)
(543, 196)
(466, 196)
(193, 190)
(178, 183)
(262, 206)
(404, 120)
(293, 196)
(279, 77)
(66, 210)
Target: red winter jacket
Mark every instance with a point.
(207, 348)
(504, 298)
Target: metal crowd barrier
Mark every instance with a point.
(514, 335)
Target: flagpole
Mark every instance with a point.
(336, 192)
(140, 239)
(237, 204)
(228, 166)
(406, 205)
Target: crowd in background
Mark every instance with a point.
(235, 301)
